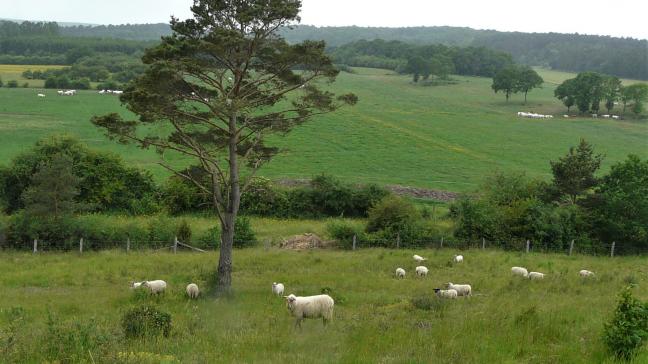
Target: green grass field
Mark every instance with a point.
(444, 137)
(67, 308)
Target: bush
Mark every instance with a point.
(244, 236)
(263, 199)
(392, 214)
(209, 240)
(12, 84)
(184, 232)
(343, 232)
(145, 321)
(628, 329)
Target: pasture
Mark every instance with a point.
(65, 307)
(10, 72)
(442, 137)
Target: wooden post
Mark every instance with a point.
(81, 245)
(398, 241)
(571, 247)
(266, 244)
(175, 245)
(127, 245)
(612, 251)
(442, 242)
(35, 245)
(354, 241)
(483, 243)
(528, 245)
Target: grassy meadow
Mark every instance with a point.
(62, 307)
(443, 137)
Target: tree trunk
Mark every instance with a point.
(525, 97)
(507, 96)
(224, 270)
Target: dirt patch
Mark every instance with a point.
(437, 195)
(304, 241)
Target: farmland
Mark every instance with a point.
(68, 306)
(442, 137)
(10, 72)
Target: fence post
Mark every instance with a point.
(81, 245)
(127, 245)
(612, 251)
(354, 241)
(571, 247)
(483, 243)
(528, 246)
(35, 245)
(442, 242)
(175, 245)
(398, 241)
(266, 244)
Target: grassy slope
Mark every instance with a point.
(509, 320)
(444, 137)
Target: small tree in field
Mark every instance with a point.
(216, 88)
(573, 174)
(506, 80)
(566, 93)
(53, 189)
(527, 80)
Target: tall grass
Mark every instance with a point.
(68, 307)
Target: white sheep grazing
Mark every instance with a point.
(157, 286)
(320, 306)
(536, 275)
(446, 293)
(277, 288)
(400, 273)
(60, 92)
(421, 271)
(192, 290)
(519, 271)
(458, 258)
(565, 116)
(136, 285)
(462, 289)
(117, 92)
(615, 117)
(586, 273)
(41, 95)
(418, 258)
(606, 116)
(595, 116)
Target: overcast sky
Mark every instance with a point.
(625, 18)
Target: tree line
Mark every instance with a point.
(421, 61)
(589, 90)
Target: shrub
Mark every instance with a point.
(184, 232)
(209, 240)
(343, 232)
(393, 214)
(628, 328)
(244, 236)
(145, 321)
(12, 84)
(263, 199)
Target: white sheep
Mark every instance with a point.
(446, 293)
(320, 306)
(421, 271)
(565, 116)
(418, 258)
(536, 275)
(519, 271)
(60, 92)
(192, 290)
(277, 288)
(615, 117)
(458, 258)
(462, 289)
(41, 95)
(586, 273)
(400, 273)
(117, 92)
(135, 285)
(157, 286)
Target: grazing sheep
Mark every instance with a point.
(400, 273)
(135, 285)
(157, 286)
(421, 271)
(615, 117)
(595, 116)
(586, 273)
(458, 258)
(536, 275)
(116, 92)
(565, 116)
(192, 290)
(519, 271)
(446, 293)
(418, 258)
(320, 306)
(277, 288)
(462, 289)
(60, 92)
(41, 95)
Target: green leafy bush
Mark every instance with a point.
(145, 321)
(628, 329)
(392, 214)
(244, 236)
(343, 232)
(184, 232)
